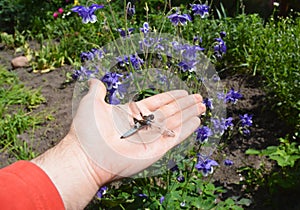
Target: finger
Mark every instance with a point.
(98, 88)
(181, 104)
(177, 119)
(155, 102)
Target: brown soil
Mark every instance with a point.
(267, 127)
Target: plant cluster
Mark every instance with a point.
(15, 110)
(151, 67)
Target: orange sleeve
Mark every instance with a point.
(23, 185)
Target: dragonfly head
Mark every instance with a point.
(150, 117)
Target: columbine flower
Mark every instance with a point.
(246, 120)
(130, 9)
(208, 103)
(123, 32)
(190, 52)
(145, 28)
(161, 200)
(228, 162)
(233, 96)
(203, 133)
(220, 48)
(93, 54)
(220, 125)
(180, 178)
(136, 61)
(187, 65)
(182, 19)
(85, 56)
(87, 13)
(205, 165)
(112, 80)
(101, 191)
(200, 9)
(84, 74)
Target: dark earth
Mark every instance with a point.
(266, 130)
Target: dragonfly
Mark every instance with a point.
(145, 122)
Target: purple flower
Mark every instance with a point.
(123, 32)
(208, 103)
(222, 34)
(246, 131)
(220, 48)
(187, 65)
(228, 123)
(182, 19)
(95, 53)
(136, 61)
(190, 52)
(142, 195)
(246, 120)
(220, 125)
(101, 192)
(111, 79)
(232, 96)
(85, 56)
(130, 9)
(197, 40)
(84, 74)
(228, 162)
(180, 178)
(200, 9)
(145, 28)
(205, 165)
(161, 200)
(87, 13)
(133, 60)
(203, 133)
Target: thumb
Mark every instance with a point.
(98, 88)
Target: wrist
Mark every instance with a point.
(70, 170)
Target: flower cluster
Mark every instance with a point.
(132, 60)
(59, 12)
(220, 47)
(246, 121)
(84, 73)
(91, 55)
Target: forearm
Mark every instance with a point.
(69, 169)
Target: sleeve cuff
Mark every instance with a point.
(23, 185)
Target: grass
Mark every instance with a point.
(16, 105)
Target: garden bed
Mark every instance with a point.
(58, 116)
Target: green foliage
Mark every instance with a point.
(286, 155)
(270, 50)
(16, 102)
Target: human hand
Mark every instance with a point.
(93, 154)
(98, 127)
